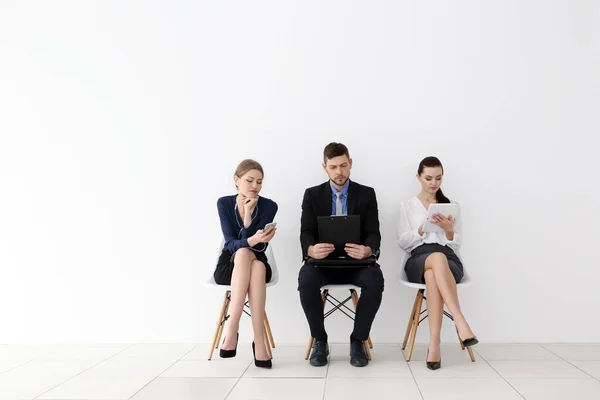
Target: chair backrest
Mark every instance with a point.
(211, 280)
(466, 279)
(273, 264)
(220, 250)
(403, 258)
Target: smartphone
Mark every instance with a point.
(270, 225)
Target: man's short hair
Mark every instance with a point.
(333, 150)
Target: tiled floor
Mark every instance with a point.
(182, 372)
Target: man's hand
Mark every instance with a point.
(320, 251)
(357, 251)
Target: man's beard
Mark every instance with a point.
(335, 182)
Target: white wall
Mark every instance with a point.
(121, 124)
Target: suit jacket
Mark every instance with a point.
(361, 201)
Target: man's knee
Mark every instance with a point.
(309, 277)
(372, 279)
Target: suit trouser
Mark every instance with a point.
(369, 279)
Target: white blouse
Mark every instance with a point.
(412, 215)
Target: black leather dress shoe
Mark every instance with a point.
(320, 351)
(358, 357)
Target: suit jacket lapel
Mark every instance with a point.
(324, 200)
(352, 196)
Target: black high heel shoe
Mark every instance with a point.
(229, 353)
(433, 365)
(470, 341)
(260, 363)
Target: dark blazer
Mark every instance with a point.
(361, 201)
(236, 236)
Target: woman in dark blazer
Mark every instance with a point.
(243, 263)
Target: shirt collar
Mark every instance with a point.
(344, 189)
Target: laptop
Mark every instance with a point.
(339, 230)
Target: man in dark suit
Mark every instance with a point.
(340, 196)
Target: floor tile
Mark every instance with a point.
(82, 388)
(166, 351)
(513, 352)
(95, 353)
(575, 352)
(467, 389)
(537, 369)
(589, 367)
(186, 389)
(371, 388)
(36, 377)
(128, 368)
(386, 362)
(278, 389)
(557, 389)
(219, 368)
(288, 362)
(450, 352)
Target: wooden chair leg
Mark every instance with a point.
(267, 345)
(366, 344)
(266, 333)
(470, 350)
(311, 340)
(220, 323)
(224, 319)
(310, 345)
(266, 336)
(462, 346)
(355, 302)
(268, 326)
(409, 325)
(354, 298)
(417, 315)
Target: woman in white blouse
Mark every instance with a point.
(433, 256)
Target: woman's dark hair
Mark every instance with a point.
(432, 162)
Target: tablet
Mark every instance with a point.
(445, 209)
